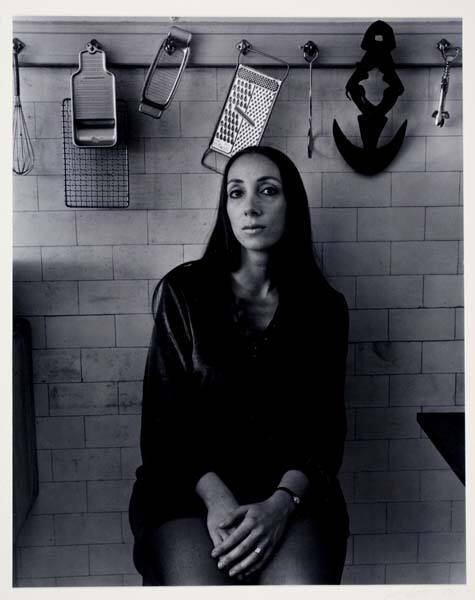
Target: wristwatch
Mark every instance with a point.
(295, 498)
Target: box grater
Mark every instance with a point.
(93, 101)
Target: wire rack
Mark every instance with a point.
(96, 177)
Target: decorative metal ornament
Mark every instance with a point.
(449, 54)
(378, 41)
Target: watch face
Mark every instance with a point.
(295, 499)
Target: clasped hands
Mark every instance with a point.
(240, 530)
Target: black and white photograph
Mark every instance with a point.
(238, 352)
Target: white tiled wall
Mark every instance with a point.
(391, 243)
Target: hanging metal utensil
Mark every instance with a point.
(93, 101)
(378, 43)
(165, 72)
(23, 155)
(310, 53)
(96, 177)
(248, 106)
(449, 54)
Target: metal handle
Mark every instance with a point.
(16, 76)
(245, 47)
(18, 46)
(177, 38)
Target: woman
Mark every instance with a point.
(243, 420)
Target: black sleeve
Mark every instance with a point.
(317, 425)
(171, 427)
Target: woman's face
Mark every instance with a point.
(256, 204)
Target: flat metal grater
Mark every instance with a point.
(96, 177)
(246, 111)
(165, 72)
(93, 105)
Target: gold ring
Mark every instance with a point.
(258, 550)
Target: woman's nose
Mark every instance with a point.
(252, 207)
(252, 211)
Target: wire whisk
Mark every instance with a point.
(23, 155)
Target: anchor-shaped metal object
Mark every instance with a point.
(378, 42)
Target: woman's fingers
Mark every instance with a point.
(240, 511)
(252, 562)
(215, 538)
(248, 545)
(224, 534)
(236, 537)
(218, 535)
(255, 567)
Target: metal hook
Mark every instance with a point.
(93, 46)
(169, 46)
(244, 47)
(18, 45)
(310, 51)
(449, 52)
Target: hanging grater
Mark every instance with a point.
(93, 106)
(246, 111)
(165, 72)
(96, 177)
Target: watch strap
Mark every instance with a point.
(295, 497)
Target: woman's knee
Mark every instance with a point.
(309, 554)
(179, 553)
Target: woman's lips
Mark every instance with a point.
(253, 229)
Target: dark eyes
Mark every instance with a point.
(269, 190)
(266, 190)
(236, 193)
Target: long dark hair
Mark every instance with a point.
(293, 263)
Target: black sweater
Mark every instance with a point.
(247, 408)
